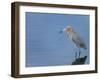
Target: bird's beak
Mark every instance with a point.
(62, 31)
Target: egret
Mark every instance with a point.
(75, 38)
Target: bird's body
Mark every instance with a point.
(77, 40)
(75, 37)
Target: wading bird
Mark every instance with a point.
(75, 38)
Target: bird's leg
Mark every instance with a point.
(79, 53)
(75, 55)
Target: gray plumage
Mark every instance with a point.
(75, 37)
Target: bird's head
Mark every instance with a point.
(67, 29)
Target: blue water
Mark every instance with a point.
(45, 46)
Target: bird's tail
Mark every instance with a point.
(84, 46)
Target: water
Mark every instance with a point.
(45, 46)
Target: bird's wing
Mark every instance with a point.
(78, 41)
